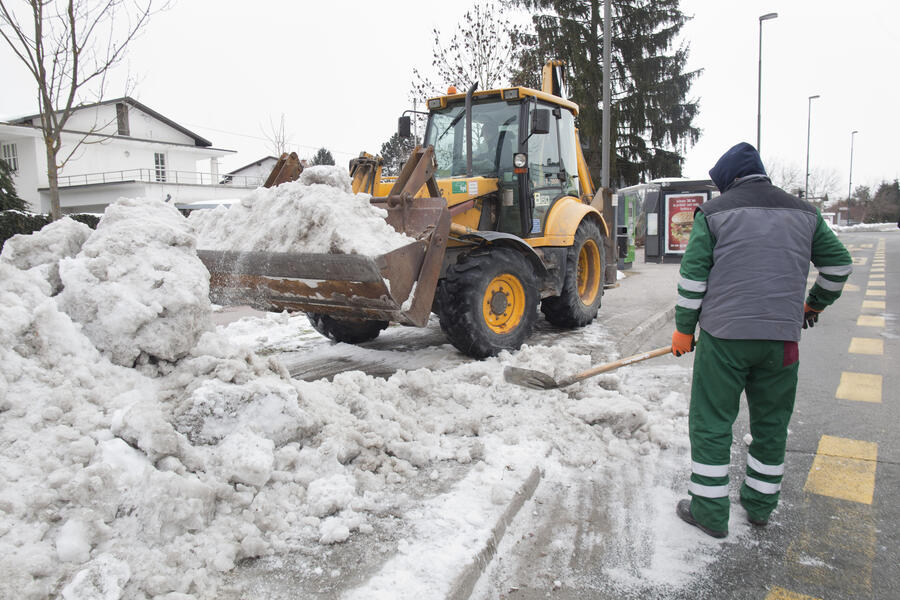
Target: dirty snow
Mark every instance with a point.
(316, 214)
(144, 454)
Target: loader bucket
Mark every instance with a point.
(398, 286)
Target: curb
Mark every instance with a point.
(635, 338)
(465, 582)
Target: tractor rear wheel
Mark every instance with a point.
(349, 331)
(579, 301)
(488, 302)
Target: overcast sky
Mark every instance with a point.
(340, 73)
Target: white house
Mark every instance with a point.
(130, 150)
(258, 169)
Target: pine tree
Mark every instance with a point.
(322, 157)
(885, 204)
(394, 153)
(651, 115)
(9, 200)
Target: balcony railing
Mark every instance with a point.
(167, 177)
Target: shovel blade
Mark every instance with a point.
(529, 378)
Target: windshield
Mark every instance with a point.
(495, 138)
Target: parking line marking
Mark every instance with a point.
(859, 387)
(874, 304)
(779, 593)
(872, 346)
(873, 292)
(844, 469)
(870, 320)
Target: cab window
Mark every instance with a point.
(545, 170)
(568, 154)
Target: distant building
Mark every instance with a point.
(259, 169)
(130, 151)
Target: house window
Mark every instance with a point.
(122, 118)
(10, 156)
(159, 162)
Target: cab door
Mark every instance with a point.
(547, 176)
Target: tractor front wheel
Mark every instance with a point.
(579, 301)
(488, 302)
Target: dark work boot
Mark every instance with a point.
(752, 520)
(683, 510)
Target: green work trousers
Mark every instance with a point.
(767, 371)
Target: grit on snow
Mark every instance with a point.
(144, 452)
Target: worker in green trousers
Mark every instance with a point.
(743, 279)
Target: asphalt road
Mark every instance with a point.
(836, 533)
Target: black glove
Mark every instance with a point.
(810, 316)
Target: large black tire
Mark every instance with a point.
(349, 331)
(488, 302)
(579, 301)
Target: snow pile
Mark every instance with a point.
(316, 214)
(137, 286)
(865, 227)
(152, 482)
(45, 248)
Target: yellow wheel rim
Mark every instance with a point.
(503, 304)
(589, 269)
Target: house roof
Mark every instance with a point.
(198, 140)
(255, 163)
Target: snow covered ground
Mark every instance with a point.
(144, 452)
(865, 227)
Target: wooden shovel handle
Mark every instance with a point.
(619, 363)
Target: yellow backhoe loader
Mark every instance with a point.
(499, 201)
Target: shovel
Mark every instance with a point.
(541, 381)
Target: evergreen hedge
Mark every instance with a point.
(17, 221)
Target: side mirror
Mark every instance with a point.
(540, 121)
(404, 127)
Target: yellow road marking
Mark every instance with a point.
(859, 260)
(870, 321)
(874, 304)
(872, 292)
(876, 283)
(843, 469)
(876, 276)
(859, 387)
(779, 593)
(865, 245)
(877, 270)
(851, 287)
(866, 346)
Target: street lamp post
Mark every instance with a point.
(808, 129)
(850, 185)
(764, 17)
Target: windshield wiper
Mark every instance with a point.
(452, 123)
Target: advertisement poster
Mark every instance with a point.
(680, 220)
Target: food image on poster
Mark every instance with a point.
(680, 219)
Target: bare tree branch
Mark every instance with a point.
(75, 45)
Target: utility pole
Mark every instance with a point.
(850, 184)
(609, 211)
(762, 18)
(808, 129)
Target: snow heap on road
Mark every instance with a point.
(318, 213)
(143, 454)
(866, 227)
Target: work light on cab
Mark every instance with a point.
(520, 160)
